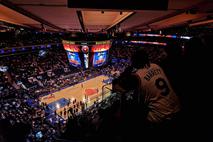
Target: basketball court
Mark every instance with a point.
(87, 91)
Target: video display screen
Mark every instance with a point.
(74, 59)
(84, 54)
(100, 58)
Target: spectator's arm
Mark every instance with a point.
(125, 83)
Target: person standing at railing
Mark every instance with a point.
(161, 105)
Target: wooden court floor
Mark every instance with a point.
(77, 91)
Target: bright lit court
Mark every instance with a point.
(87, 91)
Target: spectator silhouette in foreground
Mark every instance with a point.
(161, 105)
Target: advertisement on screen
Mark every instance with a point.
(74, 59)
(99, 58)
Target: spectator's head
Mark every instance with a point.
(140, 59)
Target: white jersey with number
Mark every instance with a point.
(158, 94)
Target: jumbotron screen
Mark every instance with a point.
(74, 59)
(87, 53)
(100, 58)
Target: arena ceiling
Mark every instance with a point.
(54, 15)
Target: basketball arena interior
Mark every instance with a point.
(69, 72)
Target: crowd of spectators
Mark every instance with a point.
(23, 37)
(157, 54)
(30, 75)
(27, 74)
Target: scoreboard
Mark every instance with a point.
(84, 54)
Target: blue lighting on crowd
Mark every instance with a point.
(13, 50)
(49, 45)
